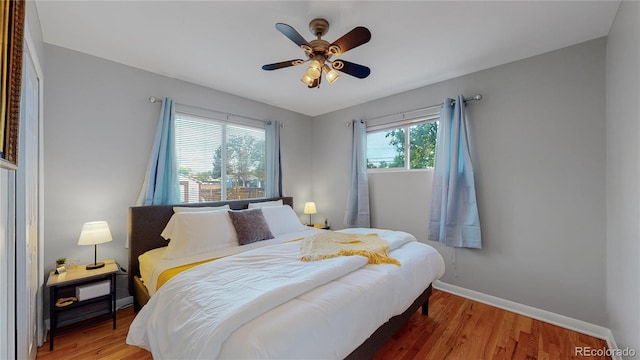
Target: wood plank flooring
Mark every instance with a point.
(99, 341)
(456, 328)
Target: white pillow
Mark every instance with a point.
(168, 229)
(282, 219)
(265, 204)
(191, 233)
(177, 209)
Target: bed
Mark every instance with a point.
(340, 307)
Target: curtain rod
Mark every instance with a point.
(477, 97)
(153, 99)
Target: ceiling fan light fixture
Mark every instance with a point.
(307, 80)
(314, 71)
(319, 52)
(331, 74)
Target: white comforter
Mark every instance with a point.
(265, 303)
(152, 263)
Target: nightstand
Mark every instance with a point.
(97, 297)
(320, 226)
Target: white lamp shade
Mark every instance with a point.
(95, 232)
(310, 208)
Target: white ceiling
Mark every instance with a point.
(223, 44)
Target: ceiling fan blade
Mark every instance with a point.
(292, 34)
(353, 69)
(354, 38)
(282, 64)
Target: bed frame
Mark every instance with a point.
(147, 222)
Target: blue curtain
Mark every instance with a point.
(454, 211)
(162, 182)
(357, 211)
(273, 175)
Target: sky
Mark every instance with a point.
(378, 148)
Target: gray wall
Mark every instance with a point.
(623, 176)
(540, 178)
(99, 129)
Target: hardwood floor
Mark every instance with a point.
(456, 328)
(99, 341)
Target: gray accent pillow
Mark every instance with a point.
(250, 226)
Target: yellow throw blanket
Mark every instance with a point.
(332, 244)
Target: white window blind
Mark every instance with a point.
(219, 159)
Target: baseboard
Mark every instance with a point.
(611, 344)
(535, 313)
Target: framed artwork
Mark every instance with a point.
(12, 35)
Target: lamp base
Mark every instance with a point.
(97, 265)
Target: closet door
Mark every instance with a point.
(28, 289)
(7, 263)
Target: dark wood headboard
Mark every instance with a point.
(147, 222)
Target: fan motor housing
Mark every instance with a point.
(319, 27)
(319, 45)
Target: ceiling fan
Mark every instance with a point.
(319, 53)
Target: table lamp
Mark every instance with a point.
(94, 233)
(310, 208)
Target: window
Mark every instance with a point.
(207, 173)
(408, 145)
